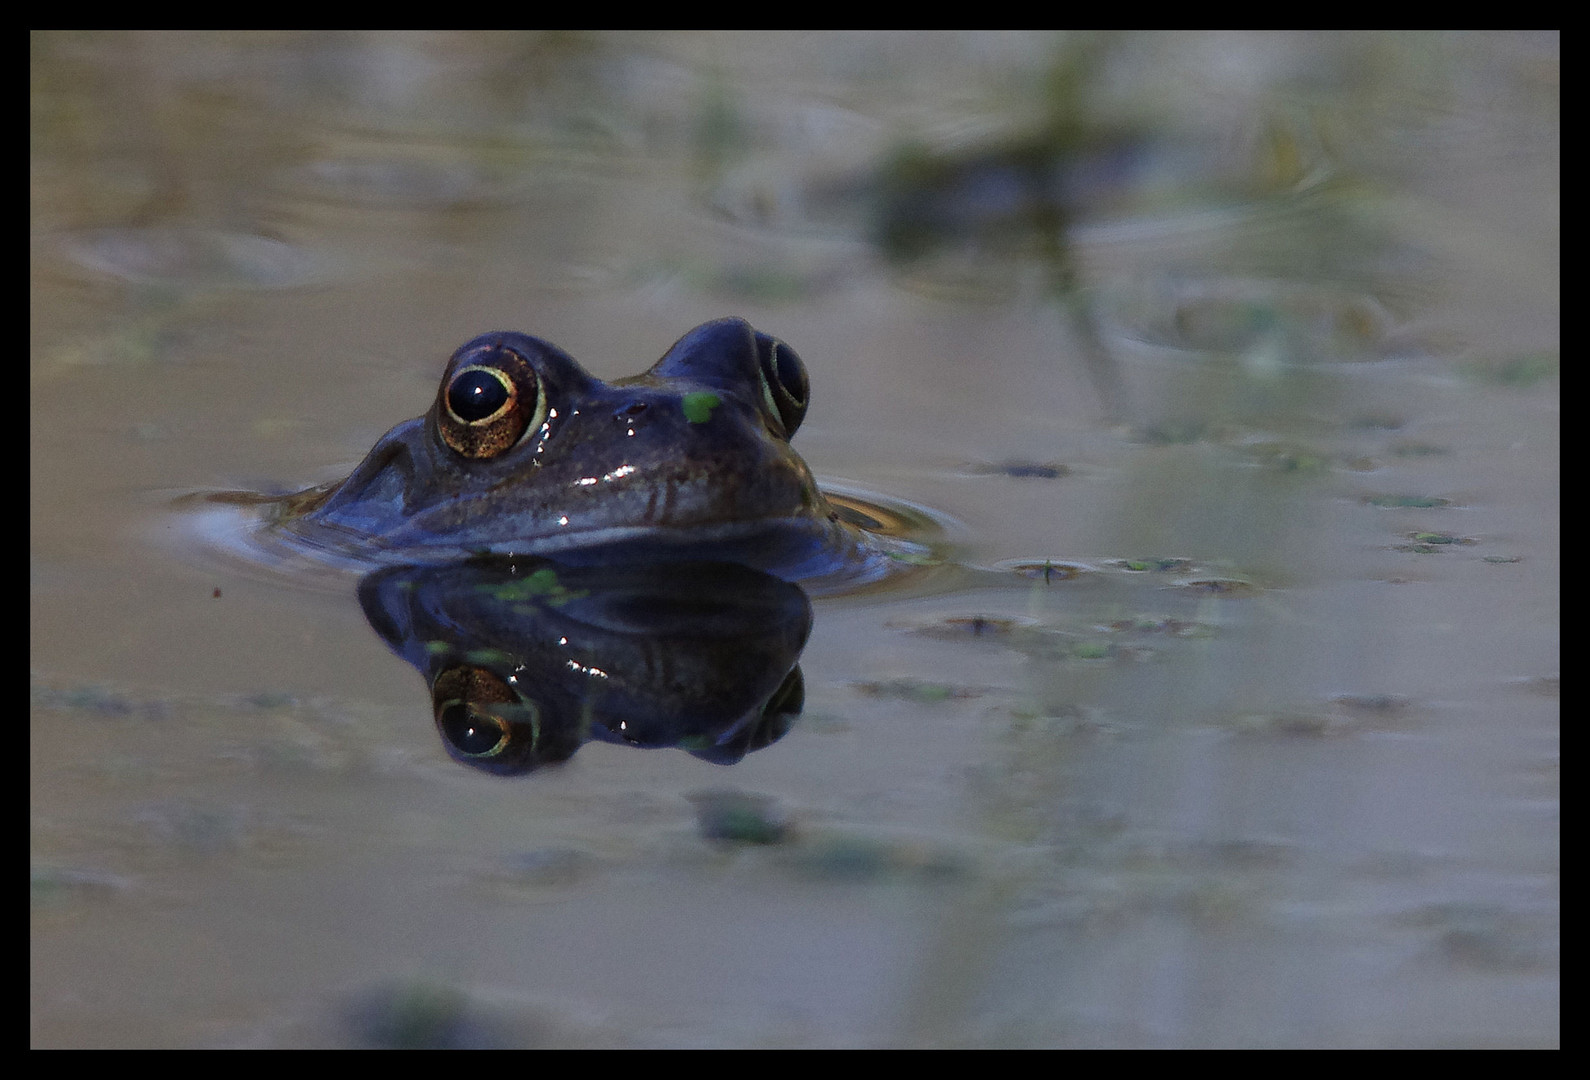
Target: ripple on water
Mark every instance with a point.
(193, 258)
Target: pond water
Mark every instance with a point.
(1228, 715)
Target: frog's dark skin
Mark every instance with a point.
(524, 452)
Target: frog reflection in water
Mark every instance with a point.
(524, 452)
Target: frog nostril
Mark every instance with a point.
(633, 409)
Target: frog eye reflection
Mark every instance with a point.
(472, 733)
(485, 408)
(479, 715)
(785, 386)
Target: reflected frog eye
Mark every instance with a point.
(487, 406)
(479, 715)
(785, 387)
(471, 732)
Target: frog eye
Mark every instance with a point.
(480, 716)
(473, 733)
(485, 407)
(785, 387)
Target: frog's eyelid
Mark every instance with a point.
(767, 394)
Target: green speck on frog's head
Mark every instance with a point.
(698, 406)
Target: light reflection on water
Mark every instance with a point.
(1255, 334)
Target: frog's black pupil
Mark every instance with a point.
(468, 731)
(476, 395)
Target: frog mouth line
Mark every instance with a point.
(330, 538)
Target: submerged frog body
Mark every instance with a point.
(524, 452)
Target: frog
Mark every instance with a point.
(524, 452)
